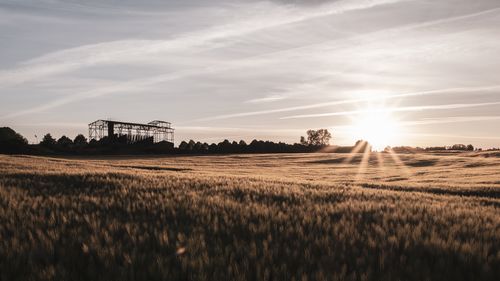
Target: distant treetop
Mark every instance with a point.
(319, 137)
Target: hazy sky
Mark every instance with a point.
(253, 69)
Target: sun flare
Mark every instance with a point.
(378, 127)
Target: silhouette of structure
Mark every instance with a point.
(155, 131)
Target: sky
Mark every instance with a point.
(255, 69)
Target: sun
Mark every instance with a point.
(377, 126)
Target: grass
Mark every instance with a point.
(251, 217)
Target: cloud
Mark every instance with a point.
(271, 98)
(392, 109)
(433, 121)
(122, 51)
(353, 101)
(122, 87)
(237, 129)
(455, 137)
(447, 120)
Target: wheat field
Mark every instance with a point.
(251, 217)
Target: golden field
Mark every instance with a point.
(251, 217)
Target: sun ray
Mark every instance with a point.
(380, 161)
(363, 165)
(357, 148)
(398, 162)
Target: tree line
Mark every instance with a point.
(12, 142)
(455, 147)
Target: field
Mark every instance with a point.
(251, 217)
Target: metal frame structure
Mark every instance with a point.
(134, 132)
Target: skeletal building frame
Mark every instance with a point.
(157, 130)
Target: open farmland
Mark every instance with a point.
(251, 217)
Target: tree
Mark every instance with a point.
(459, 147)
(191, 145)
(7, 135)
(64, 141)
(80, 140)
(470, 147)
(12, 142)
(93, 142)
(212, 147)
(198, 146)
(319, 137)
(224, 146)
(204, 146)
(183, 145)
(303, 140)
(48, 141)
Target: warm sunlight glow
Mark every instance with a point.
(378, 127)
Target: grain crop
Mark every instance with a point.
(251, 217)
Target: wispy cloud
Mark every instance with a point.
(122, 87)
(454, 137)
(447, 120)
(125, 50)
(392, 109)
(430, 121)
(238, 129)
(271, 98)
(354, 101)
(122, 50)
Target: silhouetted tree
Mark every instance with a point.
(459, 147)
(9, 135)
(319, 137)
(213, 148)
(80, 140)
(224, 146)
(64, 142)
(198, 146)
(204, 146)
(48, 141)
(435, 148)
(405, 149)
(191, 144)
(93, 142)
(242, 146)
(470, 147)
(12, 142)
(303, 140)
(183, 145)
